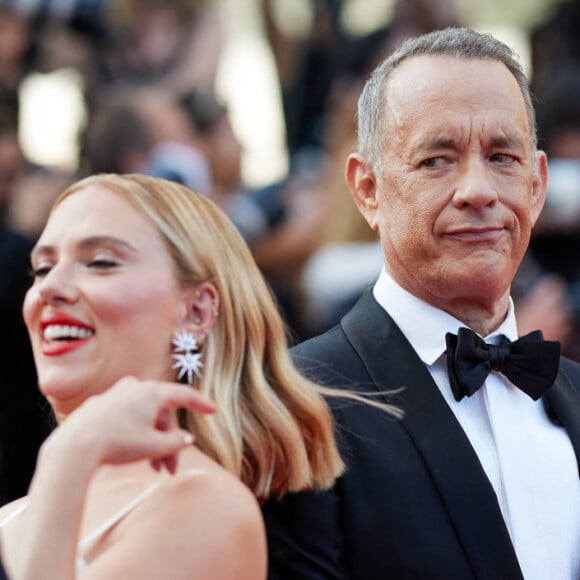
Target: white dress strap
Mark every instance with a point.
(115, 518)
(110, 522)
(15, 512)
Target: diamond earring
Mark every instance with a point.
(188, 363)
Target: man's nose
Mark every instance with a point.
(475, 187)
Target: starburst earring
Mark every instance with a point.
(187, 355)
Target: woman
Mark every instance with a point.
(140, 280)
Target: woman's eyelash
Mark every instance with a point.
(102, 263)
(38, 271)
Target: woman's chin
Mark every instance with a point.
(66, 393)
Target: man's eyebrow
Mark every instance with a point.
(438, 142)
(448, 142)
(507, 141)
(87, 244)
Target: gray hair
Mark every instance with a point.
(460, 43)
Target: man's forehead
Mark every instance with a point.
(439, 102)
(425, 69)
(428, 80)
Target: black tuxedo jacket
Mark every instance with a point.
(414, 501)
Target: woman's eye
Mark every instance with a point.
(39, 271)
(101, 264)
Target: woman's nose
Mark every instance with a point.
(58, 285)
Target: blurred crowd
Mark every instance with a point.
(149, 71)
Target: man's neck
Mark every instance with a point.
(480, 311)
(480, 317)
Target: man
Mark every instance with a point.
(481, 483)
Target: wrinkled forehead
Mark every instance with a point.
(428, 86)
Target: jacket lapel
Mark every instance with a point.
(456, 471)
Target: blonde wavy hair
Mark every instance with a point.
(273, 428)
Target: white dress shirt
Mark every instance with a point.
(529, 461)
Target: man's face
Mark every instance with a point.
(458, 193)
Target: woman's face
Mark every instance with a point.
(105, 299)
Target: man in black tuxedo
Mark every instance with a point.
(480, 477)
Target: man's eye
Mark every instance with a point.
(502, 158)
(434, 162)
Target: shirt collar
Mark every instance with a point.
(423, 325)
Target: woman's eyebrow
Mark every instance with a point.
(86, 244)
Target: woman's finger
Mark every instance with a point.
(176, 395)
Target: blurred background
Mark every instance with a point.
(242, 50)
(252, 103)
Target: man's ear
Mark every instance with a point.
(362, 182)
(539, 186)
(202, 307)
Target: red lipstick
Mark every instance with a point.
(62, 333)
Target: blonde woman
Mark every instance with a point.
(139, 282)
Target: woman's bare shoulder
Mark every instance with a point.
(201, 522)
(200, 481)
(220, 524)
(199, 485)
(210, 495)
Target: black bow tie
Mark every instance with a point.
(531, 363)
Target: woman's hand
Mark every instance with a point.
(131, 421)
